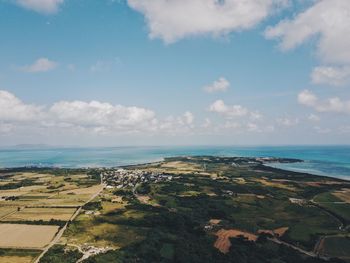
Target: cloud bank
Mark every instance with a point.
(334, 104)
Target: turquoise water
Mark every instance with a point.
(323, 160)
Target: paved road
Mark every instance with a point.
(60, 233)
(308, 253)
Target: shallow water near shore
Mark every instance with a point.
(331, 161)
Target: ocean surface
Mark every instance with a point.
(331, 161)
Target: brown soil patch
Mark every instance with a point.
(144, 199)
(281, 231)
(223, 242)
(344, 195)
(281, 185)
(278, 232)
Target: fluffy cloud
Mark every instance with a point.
(228, 111)
(13, 109)
(327, 20)
(40, 65)
(176, 19)
(334, 76)
(334, 104)
(41, 6)
(177, 125)
(97, 114)
(307, 98)
(221, 84)
(91, 117)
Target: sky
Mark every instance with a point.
(174, 72)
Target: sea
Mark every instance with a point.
(333, 161)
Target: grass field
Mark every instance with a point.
(18, 255)
(337, 247)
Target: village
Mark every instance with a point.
(121, 178)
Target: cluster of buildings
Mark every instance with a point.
(121, 178)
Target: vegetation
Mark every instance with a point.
(59, 254)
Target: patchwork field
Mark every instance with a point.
(35, 204)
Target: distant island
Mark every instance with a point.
(181, 209)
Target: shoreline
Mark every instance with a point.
(279, 166)
(264, 161)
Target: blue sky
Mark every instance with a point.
(174, 72)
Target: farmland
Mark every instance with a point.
(184, 209)
(35, 206)
(26, 236)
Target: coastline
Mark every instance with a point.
(277, 164)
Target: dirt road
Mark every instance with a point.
(61, 231)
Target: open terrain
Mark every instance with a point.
(185, 209)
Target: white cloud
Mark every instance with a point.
(188, 117)
(255, 115)
(41, 6)
(244, 126)
(313, 117)
(221, 84)
(181, 125)
(288, 122)
(328, 21)
(40, 65)
(96, 114)
(13, 109)
(88, 117)
(207, 123)
(334, 76)
(176, 19)
(228, 111)
(334, 104)
(307, 98)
